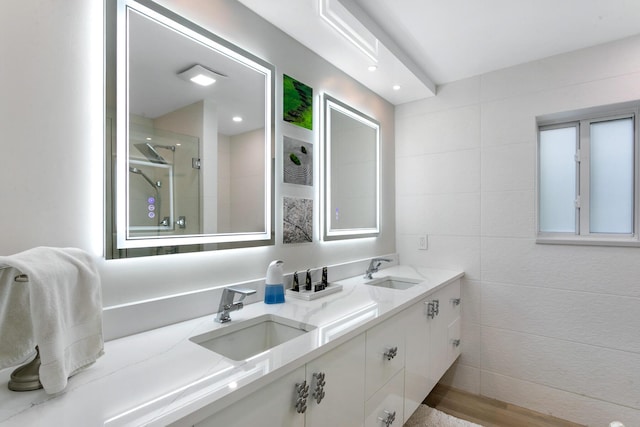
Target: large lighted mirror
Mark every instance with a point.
(193, 128)
(351, 206)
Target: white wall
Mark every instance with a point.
(551, 328)
(51, 129)
(247, 181)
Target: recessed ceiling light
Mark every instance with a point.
(396, 87)
(203, 80)
(199, 75)
(237, 119)
(372, 67)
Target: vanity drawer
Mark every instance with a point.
(384, 353)
(454, 340)
(386, 406)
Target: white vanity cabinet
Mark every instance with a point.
(384, 382)
(272, 405)
(432, 343)
(377, 379)
(342, 402)
(385, 353)
(445, 330)
(386, 407)
(335, 395)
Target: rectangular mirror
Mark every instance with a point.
(193, 127)
(351, 205)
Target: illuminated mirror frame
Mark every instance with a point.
(330, 232)
(206, 38)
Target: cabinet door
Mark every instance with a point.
(341, 388)
(418, 382)
(385, 407)
(385, 353)
(272, 405)
(441, 357)
(454, 340)
(432, 343)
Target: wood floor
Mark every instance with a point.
(489, 412)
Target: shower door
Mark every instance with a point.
(164, 183)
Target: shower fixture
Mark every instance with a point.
(166, 147)
(137, 171)
(150, 153)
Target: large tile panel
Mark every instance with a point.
(508, 214)
(450, 130)
(598, 269)
(600, 320)
(592, 371)
(548, 400)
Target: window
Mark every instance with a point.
(587, 177)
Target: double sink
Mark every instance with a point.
(246, 339)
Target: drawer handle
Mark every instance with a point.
(433, 308)
(318, 392)
(389, 418)
(302, 392)
(456, 342)
(455, 301)
(391, 353)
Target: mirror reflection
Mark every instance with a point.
(193, 136)
(352, 170)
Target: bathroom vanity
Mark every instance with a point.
(367, 355)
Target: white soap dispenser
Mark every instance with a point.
(274, 289)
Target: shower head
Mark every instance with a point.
(142, 174)
(150, 153)
(166, 147)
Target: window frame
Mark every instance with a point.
(583, 120)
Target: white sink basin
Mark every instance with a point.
(242, 340)
(391, 282)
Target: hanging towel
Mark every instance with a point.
(59, 309)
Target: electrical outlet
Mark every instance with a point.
(423, 242)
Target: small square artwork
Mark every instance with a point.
(298, 102)
(298, 161)
(297, 218)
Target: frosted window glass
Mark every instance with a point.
(611, 177)
(558, 180)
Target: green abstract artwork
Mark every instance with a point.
(298, 102)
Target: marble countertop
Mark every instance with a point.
(160, 376)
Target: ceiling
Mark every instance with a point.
(431, 42)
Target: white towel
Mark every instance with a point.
(59, 309)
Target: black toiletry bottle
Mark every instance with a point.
(325, 282)
(296, 284)
(307, 281)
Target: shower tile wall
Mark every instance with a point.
(551, 328)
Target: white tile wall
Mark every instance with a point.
(592, 371)
(552, 328)
(613, 271)
(508, 213)
(552, 401)
(583, 317)
(508, 167)
(444, 131)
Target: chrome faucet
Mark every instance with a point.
(227, 305)
(374, 265)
